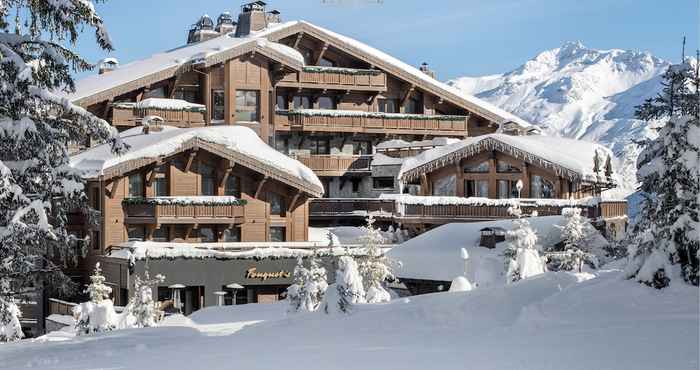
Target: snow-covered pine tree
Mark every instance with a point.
(97, 290)
(374, 266)
(522, 258)
(143, 307)
(577, 236)
(348, 287)
(309, 288)
(97, 314)
(36, 125)
(10, 327)
(294, 291)
(667, 230)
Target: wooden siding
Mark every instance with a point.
(335, 80)
(130, 117)
(336, 165)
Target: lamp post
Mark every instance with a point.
(220, 297)
(235, 287)
(175, 294)
(465, 256)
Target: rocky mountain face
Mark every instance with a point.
(583, 93)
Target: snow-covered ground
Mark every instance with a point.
(552, 321)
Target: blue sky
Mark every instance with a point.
(456, 37)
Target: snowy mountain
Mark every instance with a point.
(579, 92)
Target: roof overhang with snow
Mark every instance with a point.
(238, 144)
(575, 160)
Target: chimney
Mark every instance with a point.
(225, 24)
(202, 30)
(424, 68)
(252, 18)
(273, 16)
(107, 65)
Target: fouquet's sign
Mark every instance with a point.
(253, 273)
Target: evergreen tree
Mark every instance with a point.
(309, 288)
(10, 328)
(347, 290)
(577, 237)
(143, 307)
(294, 291)
(97, 314)
(667, 230)
(522, 258)
(36, 125)
(374, 266)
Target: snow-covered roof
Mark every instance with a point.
(379, 159)
(573, 159)
(403, 144)
(435, 255)
(234, 250)
(238, 143)
(158, 67)
(163, 104)
(403, 70)
(404, 199)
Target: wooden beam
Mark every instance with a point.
(227, 173)
(298, 40)
(320, 54)
(107, 106)
(260, 186)
(293, 203)
(111, 191)
(171, 93)
(408, 92)
(190, 160)
(151, 175)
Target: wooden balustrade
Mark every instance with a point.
(335, 165)
(59, 307)
(351, 207)
(375, 123)
(123, 116)
(183, 213)
(610, 209)
(336, 78)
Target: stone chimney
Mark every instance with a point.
(251, 19)
(225, 24)
(107, 65)
(273, 16)
(202, 30)
(424, 68)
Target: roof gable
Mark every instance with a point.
(239, 144)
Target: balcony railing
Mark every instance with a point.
(130, 114)
(336, 78)
(611, 209)
(148, 212)
(332, 207)
(336, 165)
(369, 122)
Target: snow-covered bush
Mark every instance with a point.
(522, 256)
(309, 287)
(10, 328)
(97, 314)
(37, 186)
(374, 266)
(578, 239)
(348, 288)
(460, 284)
(667, 229)
(144, 309)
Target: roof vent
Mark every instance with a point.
(252, 18)
(424, 68)
(108, 65)
(202, 30)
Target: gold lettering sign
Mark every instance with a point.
(253, 273)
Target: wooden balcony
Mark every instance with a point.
(151, 213)
(336, 165)
(333, 78)
(612, 209)
(316, 120)
(123, 115)
(351, 207)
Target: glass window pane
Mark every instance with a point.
(277, 234)
(503, 189)
(136, 233)
(160, 187)
(445, 186)
(206, 234)
(282, 102)
(505, 167)
(482, 189)
(240, 98)
(326, 102)
(208, 180)
(161, 234)
(232, 235)
(136, 185)
(218, 102)
(482, 167)
(277, 204)
(232, 186)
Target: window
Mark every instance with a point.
(247, 106)
(361, 147)
(95, 198)
(136, 185)
(282, 145)
(505, 167)
(189, 95)
(207, 235)
(278, 234)
(320, 146)
(208, 185)
(476, 188)
(136, 233)
(233, 186)
(155, 93)
(232, 234)
(383, 182)
(507, 189)
(301, 102)
(541, 187)
(355, 185)
(327, 102)
(482, 167)
(282, 102)
(217, 103)
(326, 63)
(388, 105)
(413, 106)
(161, 186)
(445, 186)
(95, 239)
(161, 234)
(277, 204)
